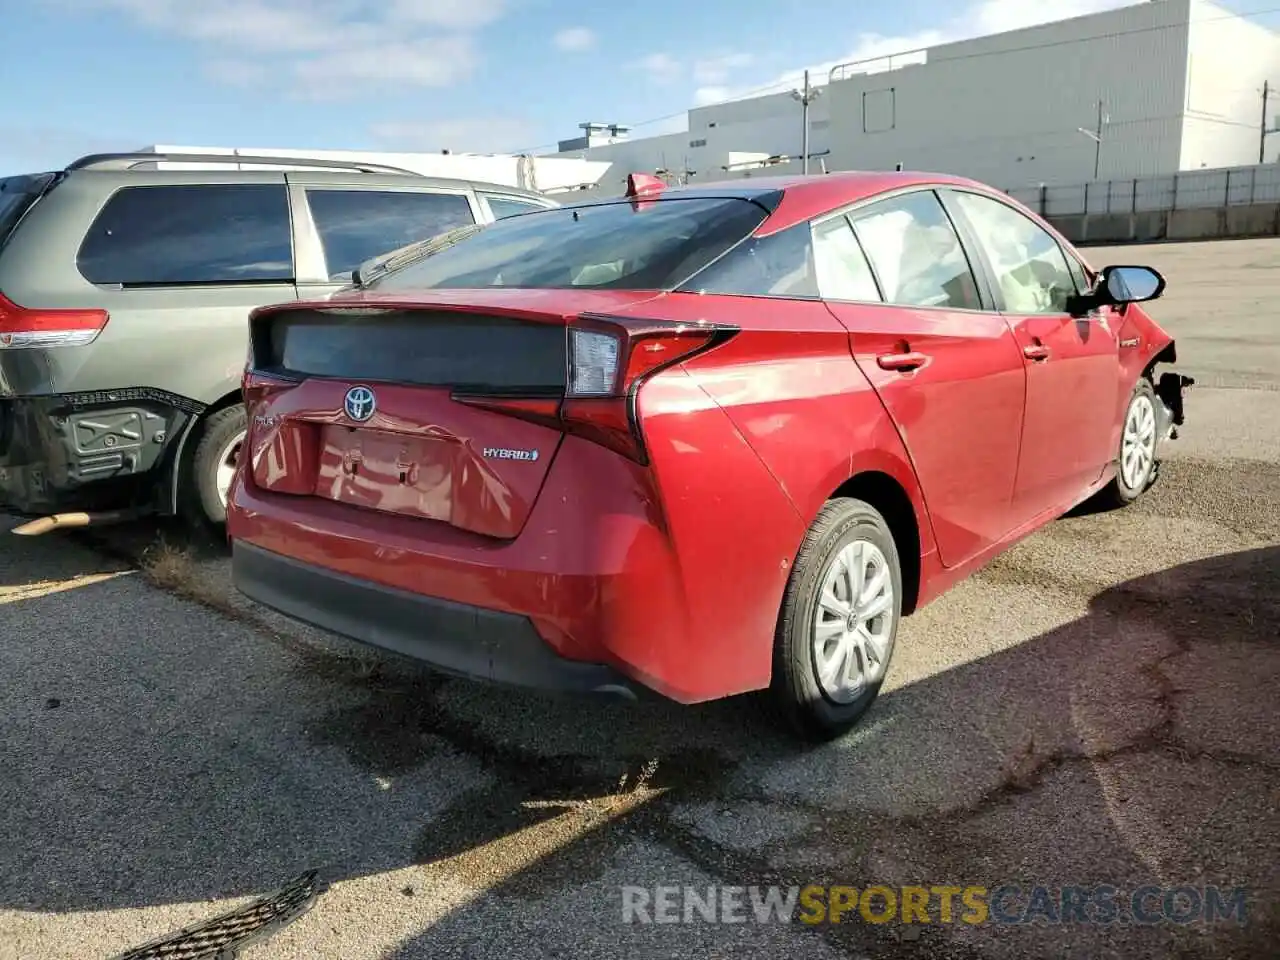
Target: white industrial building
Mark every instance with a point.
(546, 174)
(1177, 83)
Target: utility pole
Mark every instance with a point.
(1097, 146)
(1262, 135)
(805, 97)
(1096, 136)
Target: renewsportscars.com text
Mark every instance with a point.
(1004, 903)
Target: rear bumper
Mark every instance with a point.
(453, 638)
(97, 451)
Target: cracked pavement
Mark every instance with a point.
(1097, 706)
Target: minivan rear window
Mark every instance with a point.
(17, 194)
(650, 245)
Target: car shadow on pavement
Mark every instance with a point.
(1134, 745)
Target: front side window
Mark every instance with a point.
(652, 245)
(916, 253)
(843, 271)
(224, 233)
(357, 225)
(503, 207)
(1030, 268)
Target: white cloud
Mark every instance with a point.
(661, 67)
(472, 135)
(574, 39)
(718, 69)
(985, 17)
(324, 49)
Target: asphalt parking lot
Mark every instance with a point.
(1096, 707)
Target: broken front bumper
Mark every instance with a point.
(1171, 388)
(94, 451)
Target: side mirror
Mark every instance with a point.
(1121, 285)
(1117, 286)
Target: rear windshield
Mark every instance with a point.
(16, 196)
(653, 245)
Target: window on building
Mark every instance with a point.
(842, 268)
(1030, 269)
(191, 234)
(916, 254)
(356, 225)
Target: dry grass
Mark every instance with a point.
(175, 569)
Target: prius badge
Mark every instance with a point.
(359, 404)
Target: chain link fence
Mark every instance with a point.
(1192, 190)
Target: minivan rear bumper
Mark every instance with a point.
(454, 638)
(94, 451)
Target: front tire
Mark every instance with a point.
(208, 476)
(839, 621)
(1139, 443)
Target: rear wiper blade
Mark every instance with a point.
(372, 269)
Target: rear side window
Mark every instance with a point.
(779, 265)
(651, 245)
(916, 254)
(191, 234)
(843, 271)
(357, 225)
(17, 194)
(503, 207)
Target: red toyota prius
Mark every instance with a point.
(699, 441)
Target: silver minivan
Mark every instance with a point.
(124, 294)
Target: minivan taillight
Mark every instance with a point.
(609, 359)
(28, 328)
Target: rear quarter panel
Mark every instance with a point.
(747, 443)
(789, 384)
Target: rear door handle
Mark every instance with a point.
(1035, 351)
(901, 361)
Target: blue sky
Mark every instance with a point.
(481, 75)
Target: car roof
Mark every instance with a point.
(215, 175)
(797, 197)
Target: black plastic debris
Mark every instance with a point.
(223, 937)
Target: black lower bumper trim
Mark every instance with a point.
(223, 937)
(452, 638)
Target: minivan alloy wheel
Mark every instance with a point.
(1138, 443)
(226, 461)
(853, 622)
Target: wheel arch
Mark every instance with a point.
(186, 446)
(884, 492)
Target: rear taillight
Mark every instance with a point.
(27, 328)
(256, 388)
(609, 359)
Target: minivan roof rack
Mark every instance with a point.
(130, 161)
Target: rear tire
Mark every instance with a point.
(208, 475)
(1137, 455)
(839, 621)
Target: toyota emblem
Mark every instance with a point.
(359, 404)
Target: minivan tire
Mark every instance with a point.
(813, 710)
(201, 496)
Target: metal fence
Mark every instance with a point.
(1196, 189)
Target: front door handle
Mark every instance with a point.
(902, 361)
(1036, 351)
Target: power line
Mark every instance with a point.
(781, 86)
